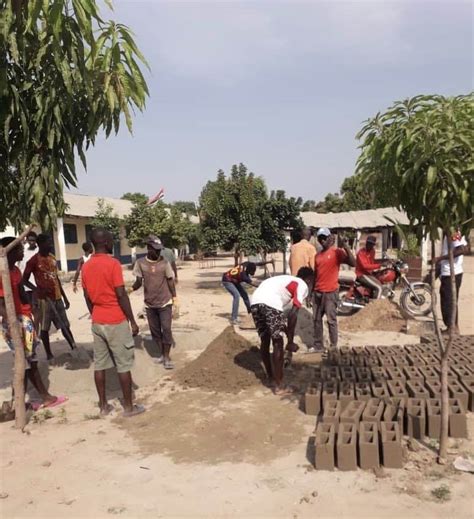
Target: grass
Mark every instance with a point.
(42, 416)
(441, 493)
(92, 416)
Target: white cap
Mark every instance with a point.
(324, 231)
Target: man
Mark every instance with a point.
(49, 292)
(326, 287)
(302, 253)
(23, 312)
(460, 247)
(107, 300)
(366, 264)
(29, 250)
(169, 256)
(156, 275)
(273, 297)
(88, 251)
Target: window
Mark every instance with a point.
(70, 233)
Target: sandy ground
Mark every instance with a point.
(203, 454)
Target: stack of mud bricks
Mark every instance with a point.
(367, 398)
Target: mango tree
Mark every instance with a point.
(421, 151)
(66, 75)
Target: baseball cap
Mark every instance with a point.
(371, 239)
(324, 231)
(154, 242)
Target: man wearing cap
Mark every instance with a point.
(156, 275)
(366, 264)
(326, 287)
(302, 253)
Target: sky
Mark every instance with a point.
(282, 86)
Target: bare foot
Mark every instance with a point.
(282, 391)
(106, 410)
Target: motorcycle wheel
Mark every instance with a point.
(344, 310)
(420, 305)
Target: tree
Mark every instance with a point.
(65, 75)
(185, 207)
(106, 218)
(135, 197)
(422, 150)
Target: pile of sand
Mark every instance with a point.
(380, 314)
(229, 364)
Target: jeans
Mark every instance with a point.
(373, 284)
(325, 303)
(237, 291)
(159, 321)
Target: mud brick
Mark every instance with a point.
(463, 372)
(397, 388)
(434, 387)
(379, 374)
(330, 391)
(468, 383)
(312, 399)
(413, 373)
(396, 374)
(332, 411)
(380, 389)
(395, 412)
(369, 445)
(348, 373)
(457, 390)
(433, 414)
(364, 374)
(329, 373)
(417, 389)
(346, 393)
(457, 419)
(373, 411)
(429, 373)
(324, 446)
(392, 451)
(363, 390)
(353, 412)
(347, 446)
(416, 418)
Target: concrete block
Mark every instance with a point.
(312, 399)
(417, 389)
(380, 389)
(368, 445)
(392, 451)
(457, 390)
(317, 377)
(330, 391)
(434, 388)
(388, 362)
(353, 412)
(395, 412)
(324, 446)
(346, 393)
(433, 415)
(373, 411)
(371, 350)
(330, 373)
(359, 360)
(468, 383)
(363, 390)
(363, 374)
(457, 419)
(397, 388)
(372, 361)
(347, 446)
(396, 374)
(416, 418)
(379, 374)
(413, 373)
(332, 411)
(464, 372)
(429, 373)
(348, 373)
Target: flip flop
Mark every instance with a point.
(137, 409)
(36, 406)
(283, 391)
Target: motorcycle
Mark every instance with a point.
(415, 298)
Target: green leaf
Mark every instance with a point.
(431, 176)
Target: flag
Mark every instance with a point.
(154, 199)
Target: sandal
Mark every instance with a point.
(136, 409)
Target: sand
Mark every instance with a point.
(380, 314)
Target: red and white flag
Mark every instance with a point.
(154, 199)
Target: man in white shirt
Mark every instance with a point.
(30, 248)
(460, 247)
(271, 299)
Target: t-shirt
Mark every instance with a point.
(168, 255)
(101, 275)
(457, 241)
(301, 255)
(45, 271)
(237, 275)
(280, 292)
(27, 255)
(326, 266)
(15, 279)
(365, 262)
(155, 276)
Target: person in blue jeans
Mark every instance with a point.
(232, 281)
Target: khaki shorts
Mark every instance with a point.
(113, 346)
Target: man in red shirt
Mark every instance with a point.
(326, 287)
(366, 265)
(107, 300)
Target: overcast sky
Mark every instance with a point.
(282, 86)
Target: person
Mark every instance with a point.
(302, 253)
(325, 294)
(270, 301)
(366, 264)
(156, 276)
(49, 292)
(460, 247)
(169, 256)
(112, 318)
(29, 337)
(88, 250)
(29, 250)
(232, 281)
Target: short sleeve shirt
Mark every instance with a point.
(45, 272)
(101, 275)
(281, 292)
(237, 275)
(457, 241)
(15, 279)
(168, 255)
(155, 276)
(301, 255)
(326, 266)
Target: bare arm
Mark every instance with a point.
(78, 271)
(126, 307)
(458, 251)
(138, 283)
(89, 303)
(171, 286)
(26, 276)
(64, 296)
(175, 271)
(291, 326)
(350, 257)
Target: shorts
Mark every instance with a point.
(52, 312)
(30, 339)
(113, 346)
(268, 321)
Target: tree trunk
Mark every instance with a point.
(15, 331)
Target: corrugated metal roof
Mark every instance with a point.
(86, 205)
(355, 219)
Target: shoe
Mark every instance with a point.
(315, 349)
(234, 322)
(158, 360)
